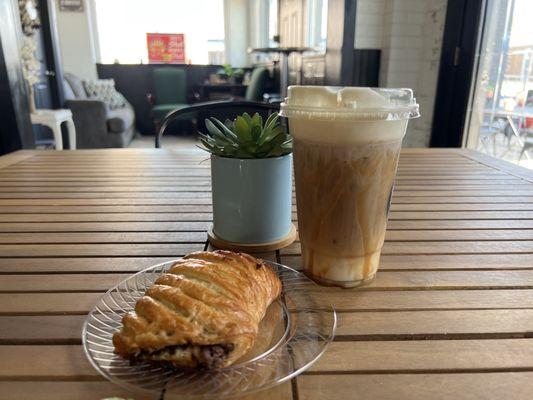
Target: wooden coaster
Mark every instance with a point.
(251, 248)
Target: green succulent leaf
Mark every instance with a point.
(213, 141)
(228, 133)
(212, 128)
(257, 120)
(216, 133)
(243, 130)
(256, 133)
(247, 117)
(246, 137)
(279, 139)
(278, 130)
(229, 124)
(271, 121)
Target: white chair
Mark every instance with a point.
(53, 119)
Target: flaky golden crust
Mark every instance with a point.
(206, 298)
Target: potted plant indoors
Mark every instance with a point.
(230, 74)
(238, 76)
(251, 182)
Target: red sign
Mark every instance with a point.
(166, 48)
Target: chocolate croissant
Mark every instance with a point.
(204, 312)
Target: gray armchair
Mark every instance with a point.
(97, 126)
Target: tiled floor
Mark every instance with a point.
(508, 151)
(146, 142)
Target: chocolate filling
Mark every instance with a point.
(204, 356)
(215, 354)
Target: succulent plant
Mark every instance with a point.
(228, 71)
(247, 137)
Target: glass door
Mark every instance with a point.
(500, 114)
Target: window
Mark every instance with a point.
(501, 112)
(122, 26)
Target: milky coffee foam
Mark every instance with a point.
(348, 115)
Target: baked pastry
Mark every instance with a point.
(203, 312)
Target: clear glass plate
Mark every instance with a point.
(294, 333)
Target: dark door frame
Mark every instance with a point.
(15, 126)
(458, 66)
(51, 51)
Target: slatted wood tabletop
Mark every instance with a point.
(450, 314)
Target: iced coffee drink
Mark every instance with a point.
(346, 147)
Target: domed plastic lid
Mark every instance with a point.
(349, 103)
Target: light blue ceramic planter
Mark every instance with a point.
(252, 198)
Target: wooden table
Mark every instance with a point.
(450, 314)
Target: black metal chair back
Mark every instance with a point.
(221, 110)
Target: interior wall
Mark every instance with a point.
(258, 26)
(409, 34)
(236, 34)
(77, 41)
(369, 20)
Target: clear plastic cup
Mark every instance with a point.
(346, 147)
